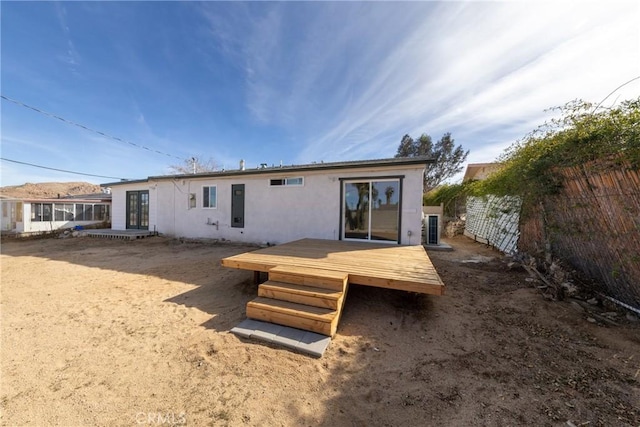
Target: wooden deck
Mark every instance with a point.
(406, 268)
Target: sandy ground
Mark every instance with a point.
(101, 332)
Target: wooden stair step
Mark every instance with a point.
(301, 310)
(306, 276)
(308, 295)
(316, 319)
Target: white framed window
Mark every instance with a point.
(210, 197)
(281, 182)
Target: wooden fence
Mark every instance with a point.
(593, 224)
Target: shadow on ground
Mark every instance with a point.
(491, 351)
(189, 262)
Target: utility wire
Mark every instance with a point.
(614, 91)
(62, 119)
(60, 170)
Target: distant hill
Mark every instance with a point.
(49, 190)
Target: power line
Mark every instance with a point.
(106, 135)
(61, 170)
(614, 91)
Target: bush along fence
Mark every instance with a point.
(494, 220)
(578, 179)
(593, 224)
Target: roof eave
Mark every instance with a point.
(407, 161)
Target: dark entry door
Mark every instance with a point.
(138, 210)
(237, 205)
(432, 230)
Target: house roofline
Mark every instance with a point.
(473, 168)
(359, 164)
(125, 182)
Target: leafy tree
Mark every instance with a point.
(193, 165)
(448, 158)
(388, 192)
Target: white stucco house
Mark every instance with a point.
(32, 215)
(371, 200)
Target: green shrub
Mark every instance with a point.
(581, 135)
(452, 196)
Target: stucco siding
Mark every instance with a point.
(412, 207)
(119, 205)
(26, 215)
(274, 214)
(153, 208)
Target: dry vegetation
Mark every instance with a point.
(50, 190)
(107, 333)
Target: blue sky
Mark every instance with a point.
(294, 82)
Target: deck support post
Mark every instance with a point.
(256, 277)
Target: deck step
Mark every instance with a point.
(308, 295)
(316, 319)
(315, 277)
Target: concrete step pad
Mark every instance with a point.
(292, 338)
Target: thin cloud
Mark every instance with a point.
(22, 143)
(311, 81)
(473, 65)
(71, 56)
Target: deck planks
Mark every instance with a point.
(406, 268)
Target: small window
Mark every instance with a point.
(294, 181)
(79, 212)
(101, 212)
(209, 197)
(298, 181)
(58, 212)
(62, 212)
(84, 212)
(47, 211)
(36, 212)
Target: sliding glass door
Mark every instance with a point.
(371, 210)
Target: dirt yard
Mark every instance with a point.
(102, 332)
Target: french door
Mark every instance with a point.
(371, 210)
(138, 210)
